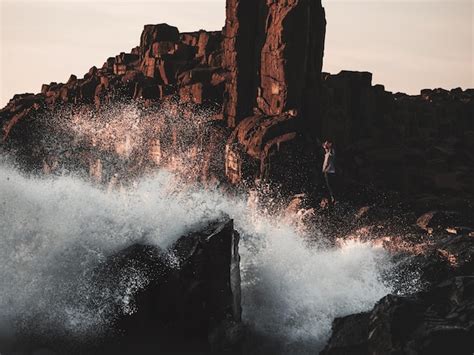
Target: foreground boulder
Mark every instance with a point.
(434, 322)
(191, 307)
(190, 302)
(437, 320)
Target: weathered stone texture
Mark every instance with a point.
(264, 70)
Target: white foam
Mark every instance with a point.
(53, 230)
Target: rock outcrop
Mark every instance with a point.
(267, 103)
(437, 320)
(417, 145)
(240, 55)
(288, 44)
(249, 104)
(194, 307)
(190, 302)
(434, 322)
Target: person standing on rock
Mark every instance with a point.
(329, 168)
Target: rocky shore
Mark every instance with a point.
(189, 301)
(260, 81)
(436, 320)
(258, 103)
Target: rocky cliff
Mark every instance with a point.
(249, 104)
(418, 145)
(266, 104)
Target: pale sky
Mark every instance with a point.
(408, 45)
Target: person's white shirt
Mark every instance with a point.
(329, 165)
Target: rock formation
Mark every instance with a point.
(192, 308)
(240, 58)
(288, 44)
(231, 68)
(434, 321)
(261, 78)
(274, 54)
(248, 104)
(417, 145)
(191, 303)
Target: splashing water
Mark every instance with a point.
(128, 140)
(56, 229)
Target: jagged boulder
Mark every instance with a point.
(155, 34)
(433, 322)
(194, 307)
(266, 148)
(253, 143)
(190, 302)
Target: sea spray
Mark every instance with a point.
(55, 230)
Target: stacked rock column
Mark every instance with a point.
(239, 55)
(273, 52)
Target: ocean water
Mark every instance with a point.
(55, 230)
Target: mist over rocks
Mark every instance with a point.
(435, 319)
(245, 108)
(59, 232)
(260, 80)
(182, 299)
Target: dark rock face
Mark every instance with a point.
(190, 304)
(261, 75)
(417, 145)
(435, 321)
(349, 335)
(194, 308)
(231, 69)
(240, 58)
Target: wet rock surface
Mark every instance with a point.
(437, 320)
(267, 105)
(434, 322)
(189, 301)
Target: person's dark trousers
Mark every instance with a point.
(330, 179)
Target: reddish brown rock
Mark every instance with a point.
(287, 83)
(157, 33)
(271, 68)
(292, 56)
(207, 44)
(200, 93)
(240, 55)
(265, 66)
(256, 145)
(160, 48)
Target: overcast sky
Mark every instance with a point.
(408, 45)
